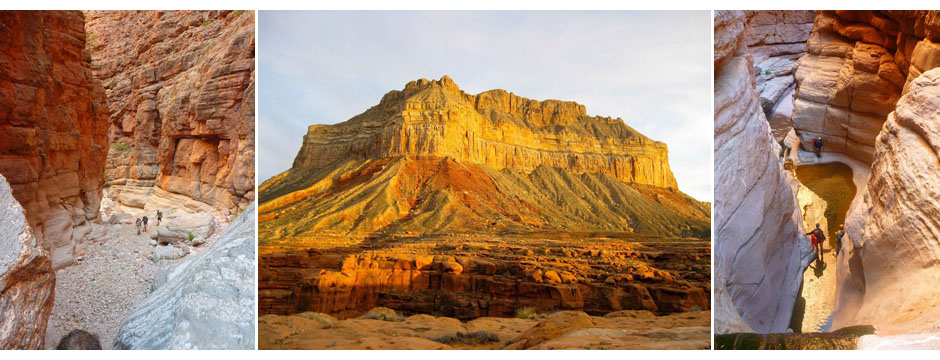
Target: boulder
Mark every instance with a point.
(208, 302)
(27, 282)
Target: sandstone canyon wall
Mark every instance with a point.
(53, 126)
(759, 256)
(888, 274)
(27, 282)
(180, 88)
(856, 66)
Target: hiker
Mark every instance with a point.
(138, 226)
(817, 144)
(817, 237)
(159, 216)
(839, 236)
(145, 224)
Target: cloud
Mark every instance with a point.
(653, 69)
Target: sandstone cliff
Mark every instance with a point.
(27, 282)
(776, 39)
(856, 66)
(439, 202)
(759, 259)
(53, 126)
(433, 159)
(888, 274)
(494, 128)
(180, 87)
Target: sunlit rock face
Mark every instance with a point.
(888, 275)
(180, 87)
(53, 126)
(759, 258)
(857, 65)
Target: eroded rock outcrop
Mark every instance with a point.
(205, 303)
(27, 282)
(440, 202)
(495, 128)
(180, 88)
(776, 39)
(888, 274)
(53, 126)
(856, 66)
(759, 255)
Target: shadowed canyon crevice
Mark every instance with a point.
(467, 206)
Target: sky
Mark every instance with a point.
(653, 69)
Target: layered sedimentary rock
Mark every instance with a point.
(776, 39)
(494, 128)
(27, 282)
(759, 259)
(856, 66)
(180, 88)
(205, 303)
(888, 275)
(53, 126)
(436, 201)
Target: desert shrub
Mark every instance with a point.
(526, 313)
(190, 236)
(120, 146)
(236, 13)
(474, 338)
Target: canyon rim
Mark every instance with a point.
(826, 119)
(127, 187)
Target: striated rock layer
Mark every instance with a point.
(888, 274)
(27, 282)
(435, 201)
(856, 66)
(180, 88)
(776, 39)
(759, 255)
(494, 128)
(53, 126)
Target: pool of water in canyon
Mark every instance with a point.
(833, 183)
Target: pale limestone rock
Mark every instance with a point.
(27, 282)
(205, 303)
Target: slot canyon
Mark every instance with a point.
(863, 86)
(108, 118)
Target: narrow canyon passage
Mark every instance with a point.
(833, 183)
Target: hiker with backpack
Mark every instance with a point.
(145, 224)
(138, 226)
(839, 237)
(817, 145)
(817, 238)
(159, 216)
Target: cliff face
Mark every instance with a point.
(856, 66)
(494, 128)
(180, 88)
(888, 274)
(776, 39)
(431, 159)
(439, 202)
(759, 255)
(53, 126)
(27, 282)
